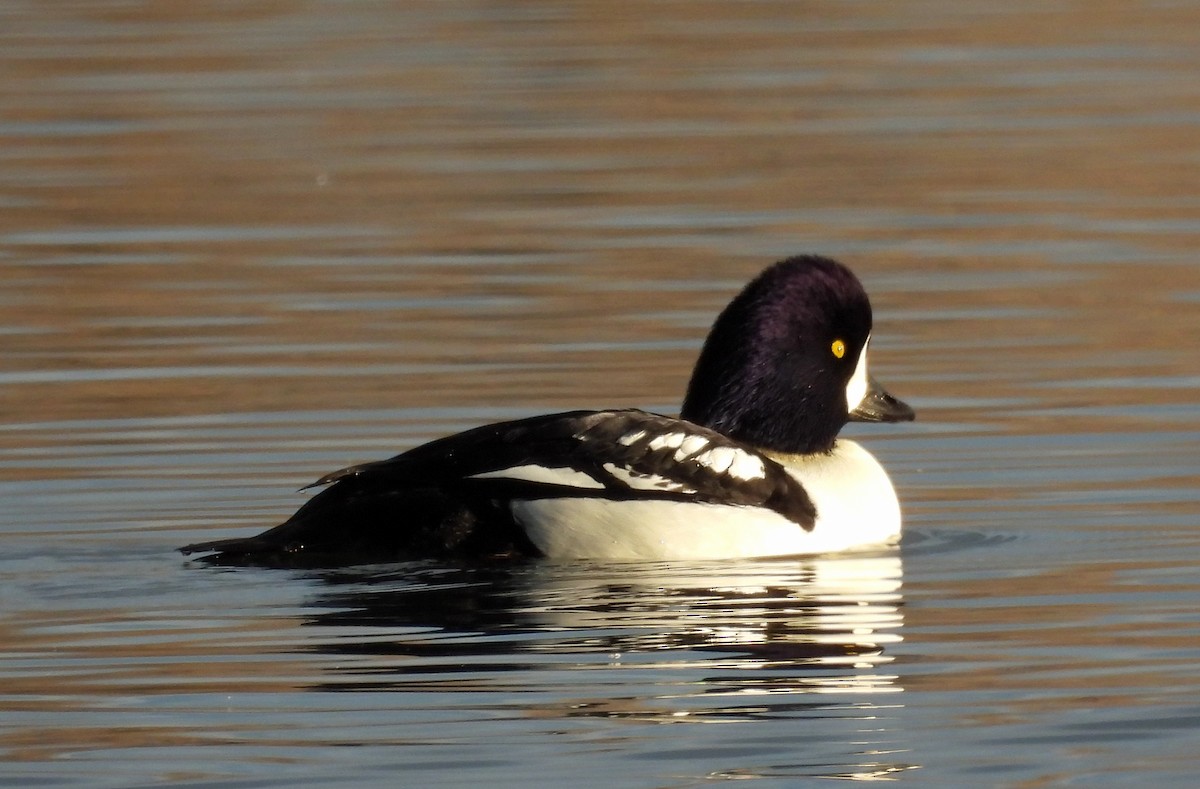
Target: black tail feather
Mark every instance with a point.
(350, 523)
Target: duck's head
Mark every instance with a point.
(785, 364)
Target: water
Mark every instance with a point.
(244, 244)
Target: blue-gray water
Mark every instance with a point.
(242, 244)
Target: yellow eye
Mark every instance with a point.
(838, 348)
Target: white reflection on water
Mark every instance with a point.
(679, 643)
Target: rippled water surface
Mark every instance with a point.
(243, 244)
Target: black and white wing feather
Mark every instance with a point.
(618, 455)
(451, 496)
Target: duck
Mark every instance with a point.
(752, 467)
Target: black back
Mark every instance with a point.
(431, 501)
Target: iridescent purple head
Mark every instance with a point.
(784, 366)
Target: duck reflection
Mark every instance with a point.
(712, 642)
(836, 614)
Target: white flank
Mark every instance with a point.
(572, 528)
(856, 507)
(535, 473)
(856, 390)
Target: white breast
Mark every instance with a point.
(856, 506)
(852, 492)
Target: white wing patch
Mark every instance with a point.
(550, 476)
(638, 481)
(690, 446)
(658, 459)
(667, 441)
(719, 459)
(629, 439)
(747, 466)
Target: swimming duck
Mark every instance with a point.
(752, 466)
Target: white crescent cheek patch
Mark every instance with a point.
(856, 390)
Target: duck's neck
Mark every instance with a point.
(794, 427)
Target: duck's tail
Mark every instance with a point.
(341, 526)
